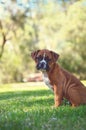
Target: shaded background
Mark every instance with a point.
(27, 25)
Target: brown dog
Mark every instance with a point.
(62, 82)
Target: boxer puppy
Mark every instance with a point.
(62, 82)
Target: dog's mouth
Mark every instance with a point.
(42, 66)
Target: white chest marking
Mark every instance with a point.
(47, 81)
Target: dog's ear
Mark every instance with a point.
(34, 54)
(55, 56)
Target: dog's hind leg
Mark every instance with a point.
(75, 98)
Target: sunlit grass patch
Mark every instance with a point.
(29, 107)
(84, 82)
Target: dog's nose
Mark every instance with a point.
(41, 65)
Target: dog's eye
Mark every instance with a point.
(39, 58)
(47, 58)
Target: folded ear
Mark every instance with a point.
(34, 54)
(55, 56)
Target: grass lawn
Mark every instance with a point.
(29, 107)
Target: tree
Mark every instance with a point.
(26, 30)
(73, 31)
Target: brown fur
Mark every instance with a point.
(65, 85)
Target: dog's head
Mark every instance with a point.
(44, 59)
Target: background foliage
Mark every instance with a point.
(52, 25)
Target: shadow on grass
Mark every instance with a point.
(35, 93)
(27, 98)
(4, 95)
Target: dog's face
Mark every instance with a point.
(44, 59)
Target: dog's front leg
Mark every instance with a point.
(57, 95)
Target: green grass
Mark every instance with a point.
(29, 107)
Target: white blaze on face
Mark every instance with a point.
(43, 60)
(44, 55)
